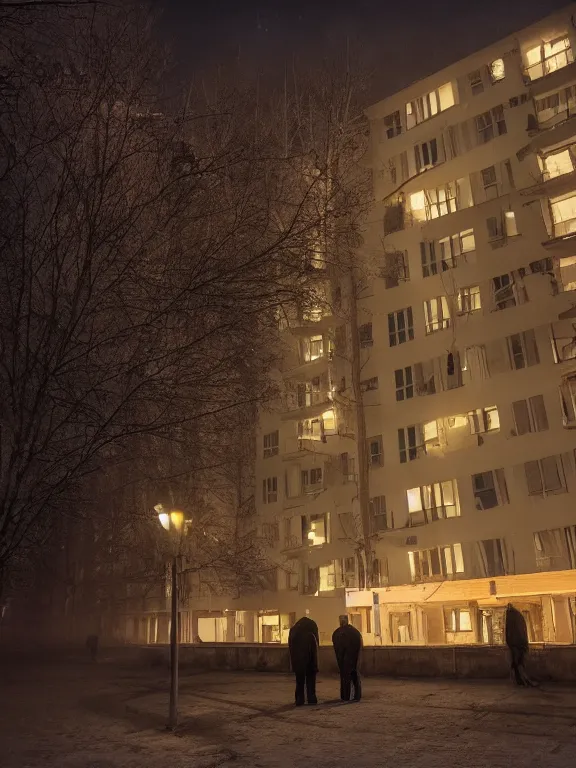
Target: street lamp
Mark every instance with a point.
(173, 522)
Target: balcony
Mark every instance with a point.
(559, 129)
(552, 184)
(550, 66)
(311, 364)
(292, 543)
(313, 323)
(307, 404)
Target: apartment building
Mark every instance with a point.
(467, 346)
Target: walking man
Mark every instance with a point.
(303, 644)
(347, 642)
(517, 642)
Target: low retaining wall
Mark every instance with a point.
(547, 662)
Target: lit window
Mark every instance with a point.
(425, 107)
(329, 422)
(437, 314)
(414, 441)
(441, 201)
(433, 502)
(497, 70)
(510, 224)
(484, 420)
(316, 533)
(469, 299)
(458, 620)
(418, 201)
(445, 254)
(548, 57)
(313, 348)
(557, 164)
(564, 215)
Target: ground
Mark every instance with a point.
(74, 714)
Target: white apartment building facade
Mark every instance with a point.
(468, 361)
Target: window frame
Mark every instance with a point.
(437, 555)
(544, 491)
(544, 60)
(365, 336)
(454, 613)
(498, 487)
(441, 200)
(393, 124)
(527, 354)
(442, 315)
(375, 458)
(479, 420)
(395, 332)
(270, 490)
(378, 510)
(272, 449)
(476, 82)
(405, 388)
(427, 106)
(473, 301)
(491, 124)
(412, 442)
(535, 421)
(433, 504)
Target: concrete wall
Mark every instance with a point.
(545, 662)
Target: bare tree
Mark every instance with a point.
(146, 252)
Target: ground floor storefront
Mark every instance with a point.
(470, 611)
(467, 612)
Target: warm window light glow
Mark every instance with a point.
(177, 519)
(417, 201)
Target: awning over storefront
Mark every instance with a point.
(466, 590)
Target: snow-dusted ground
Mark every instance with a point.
(79, 715)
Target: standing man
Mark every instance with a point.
(347, 642)
(303, 644)
(517, 642)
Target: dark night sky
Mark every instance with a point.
(403, 40)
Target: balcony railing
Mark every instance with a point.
(552, 563)
(563, 228)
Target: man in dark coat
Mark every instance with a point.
(347, 642)
(303, 644)
(517, 642)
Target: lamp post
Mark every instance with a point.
(173, 522)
